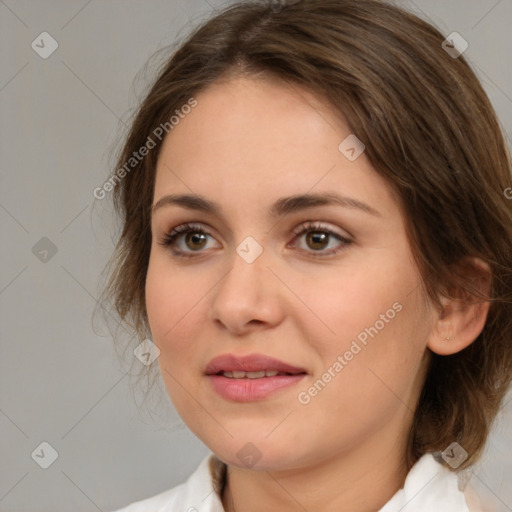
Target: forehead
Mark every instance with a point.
(253, 138)
(249, 91)
(254, 119)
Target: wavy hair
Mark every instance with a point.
(429, 130)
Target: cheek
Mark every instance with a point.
(344, 305)
(175, 315)
(374, 318)
(174, 309)
(377, 349)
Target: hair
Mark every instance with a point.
(429, 130)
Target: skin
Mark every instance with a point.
(250, 141)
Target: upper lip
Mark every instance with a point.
(249, 363)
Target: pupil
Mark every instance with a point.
(317, 238)
(194, 237)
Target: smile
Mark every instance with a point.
(251, 377)
(254, 375)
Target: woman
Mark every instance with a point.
(318, 241)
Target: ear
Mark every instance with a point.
(463, 315)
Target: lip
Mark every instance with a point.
(249, 363)
(249, 390)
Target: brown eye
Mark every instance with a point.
(195, 241)
(317, 240)
(187, 239)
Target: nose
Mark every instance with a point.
(248, 298)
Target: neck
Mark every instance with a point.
(362, 480)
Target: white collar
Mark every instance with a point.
(428, 487)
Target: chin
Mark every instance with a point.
(258, 455)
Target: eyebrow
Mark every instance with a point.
(281, 207)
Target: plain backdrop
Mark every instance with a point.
(60, 380)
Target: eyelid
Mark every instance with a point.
(319, 226)
(170, 236)
(168, 239)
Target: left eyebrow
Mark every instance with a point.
(283, 206)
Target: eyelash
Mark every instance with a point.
(169, 239)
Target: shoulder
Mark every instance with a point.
(157, 503)
(474, 501)
(198, 494)
(431, 486)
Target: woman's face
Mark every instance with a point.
(327, 287)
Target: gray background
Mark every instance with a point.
(60, 380)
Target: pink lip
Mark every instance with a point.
(245, 389)
(249, 363)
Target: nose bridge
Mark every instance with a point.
(246, 276)
(246, 293)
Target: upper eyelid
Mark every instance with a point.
(184, 227)
(303, 227)
(170, 238)
(307, 224)
(312, 225)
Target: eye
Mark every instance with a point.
(193, 235)
(194, 238)
(318, 238)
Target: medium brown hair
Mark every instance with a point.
(429, 130)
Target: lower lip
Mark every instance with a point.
(249, 390)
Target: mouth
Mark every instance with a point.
(255, 375)
(250, 366)
(251, 377)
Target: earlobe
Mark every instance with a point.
(460, 327)
(463, 316)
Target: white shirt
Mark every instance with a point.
(429, 487)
